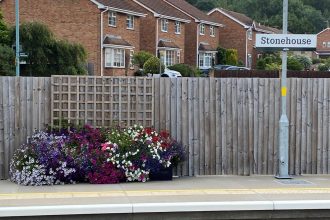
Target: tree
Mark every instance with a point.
(221, 55)
(47, 55)
(231, 57)
(7, 61)
(4, 31)
(141, 57)
(294, 64)
(152, 66)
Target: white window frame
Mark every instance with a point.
(112, 15)
(205, 58)
(212, 31)
(111, 57)
(324, 44)
(178, 27)
(130, 22)
(250, 34)
(131, 54)
(328, 44)
(202, 29)
(170, 57)
(164, 25)
(249, 61)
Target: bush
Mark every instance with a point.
(7, 61)
(294, 64)
(141, 57)
(185, 70)
(316, 60)
(324, 67)
(305, 61)
(231, 57)
(152, 66)
(261, 64)
(221, 55)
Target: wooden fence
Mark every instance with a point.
(268, 74)
(229, 126)
(24, 107)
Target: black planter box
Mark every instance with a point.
(163, 174)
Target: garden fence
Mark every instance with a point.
(228, 125)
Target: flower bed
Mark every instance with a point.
(97, 156)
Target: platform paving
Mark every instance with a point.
(185, 194)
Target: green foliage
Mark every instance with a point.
(221, 55)
(185, 70)
(325, 66)
(47, 55)
(294, 64)
(305, 16)
(231, 57)
(316, 60)
(261, 64)
(7, 61)
(141, 57)
(305, 61)
(152, 66)
(273, 66)
(4, 31)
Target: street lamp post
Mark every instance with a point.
(17, 38)
(283, 172)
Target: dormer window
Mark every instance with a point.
(212, 31)
(164, 25)
(202, 29)
(177, 27)
(130, 22)
(112, 19)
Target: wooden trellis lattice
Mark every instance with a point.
(102, 101)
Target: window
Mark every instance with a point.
(130, 22)
(212, 31)
(205, 60)
(202, 29)
(112, 19)
(328, 43)
(324, 44)
(114, 58)
(177, 27)
(164, 25)
(250, 34)
(170, 57)
(249, 61)
(131, 53)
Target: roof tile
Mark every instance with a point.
(128, 5)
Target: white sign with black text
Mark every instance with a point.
(293, 42)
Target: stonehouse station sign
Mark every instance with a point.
(293, 42)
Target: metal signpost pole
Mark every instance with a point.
(17, 38)
(284, 122)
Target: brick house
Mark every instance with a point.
(239, 33)
(108, 43)
(323, 44)
(163, 31)
(202, 35)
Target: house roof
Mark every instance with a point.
(323, 31)
(122, 5)
(192, 11)
(115, 40)
(246, 21)
(162, 9)
(206, 47)
(168, 44)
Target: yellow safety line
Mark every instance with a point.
(171, 191)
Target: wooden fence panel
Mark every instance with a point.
(23, 109)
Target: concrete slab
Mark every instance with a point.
(188, 194)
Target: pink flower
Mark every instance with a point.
(104, 146)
